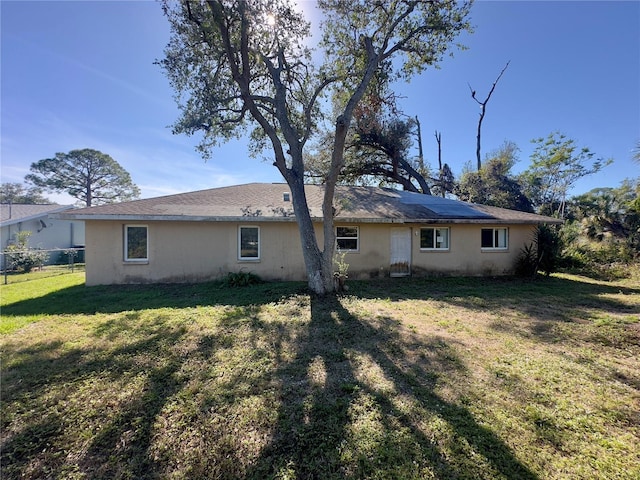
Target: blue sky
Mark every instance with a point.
(80, 74)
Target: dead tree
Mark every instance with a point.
(420, 152)
(483, 108)
(439, 140)
(445, 182)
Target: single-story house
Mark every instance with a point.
(47, 233)
(206, 234)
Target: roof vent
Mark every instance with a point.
(286, 196)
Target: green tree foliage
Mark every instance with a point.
(19, 193)
(244, 64)
(601, 234)
(90, 176)
(380, 149)
(445, 182)
(493, 184)
(556, 165)
(610, 215)
(548, 248)
(378, 145)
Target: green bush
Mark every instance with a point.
(609, 258)
(241, 279)
(543, 254)
(527, 261)
(596, 262)
(549, 247)
(22, 258)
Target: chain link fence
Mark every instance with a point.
(24, 265)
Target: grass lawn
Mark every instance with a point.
(36, 273)
(449, 378)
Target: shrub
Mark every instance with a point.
(241, 279)
(340, 273)
(549, 246)
(609, 258)
(542, 254)
(22, 258)
(527, 261)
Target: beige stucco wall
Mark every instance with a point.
(199, 251)
(190, 252)
(464, 257)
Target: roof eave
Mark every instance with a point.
(289, 219)
(51, 214)
(488, 221)
(172, 218)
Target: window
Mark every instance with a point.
(136, 243)
(249, 243)
(347, 238)
(494, 238)
(434, 239)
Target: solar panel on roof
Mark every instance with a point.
(442, 206)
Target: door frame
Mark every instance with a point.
(400, 268)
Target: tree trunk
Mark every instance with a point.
(420, 151)
(478, 156)
(318, 265)
(424, 186)
(439, 141)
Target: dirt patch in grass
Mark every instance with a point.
(416, 378)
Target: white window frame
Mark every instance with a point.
(248, 259)
(495, 238)
(126, 243)
(435, 239)
(357, 239)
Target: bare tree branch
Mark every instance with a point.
(483, 105)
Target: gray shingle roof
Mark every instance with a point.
(265, 202)
(17, 212)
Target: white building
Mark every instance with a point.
(46, 233)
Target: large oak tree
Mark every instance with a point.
(237, 63)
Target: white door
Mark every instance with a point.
(400, 252)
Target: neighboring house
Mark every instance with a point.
(204, 235)
(46, 233)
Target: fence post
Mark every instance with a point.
(4, 266)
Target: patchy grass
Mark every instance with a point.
(404, 378)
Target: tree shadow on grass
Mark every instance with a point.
(74, 391)
(524, 293)
(81, 299)
(106, 409)
(353, 396)
(553, 298)
(355, 405)
(532, 308)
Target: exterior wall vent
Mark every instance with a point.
(286, 196)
